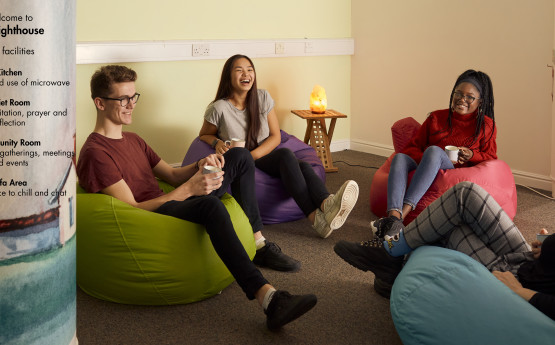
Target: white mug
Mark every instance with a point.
(209, 169)
(541, 237)
(235, 142)
(452, 152)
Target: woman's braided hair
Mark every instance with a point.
(482, 82)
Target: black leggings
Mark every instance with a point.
(209, 211)
(298, 177)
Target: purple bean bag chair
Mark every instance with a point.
(275, 204)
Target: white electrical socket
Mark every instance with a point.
(280, 48)
(201, 49)
(309, 47)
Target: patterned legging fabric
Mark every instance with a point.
(467, 219)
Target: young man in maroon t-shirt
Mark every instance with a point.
(122, 165)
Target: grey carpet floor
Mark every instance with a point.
(348, 309)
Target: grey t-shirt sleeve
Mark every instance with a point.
(232, 122)
(211, 114)
(266, 103)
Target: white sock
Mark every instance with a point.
(268, 298)
(261, 242)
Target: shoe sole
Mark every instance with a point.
(301, 308)
(348, 201)
(327, 233)
(291, 269)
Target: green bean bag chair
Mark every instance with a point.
(132, 256)
(445, 297)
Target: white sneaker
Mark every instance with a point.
(321, 225)
(338, 206)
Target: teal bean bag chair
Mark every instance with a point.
(444, 297)
(128, 255)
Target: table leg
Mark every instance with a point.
(330, 130)
(307, 133)
(320, 142)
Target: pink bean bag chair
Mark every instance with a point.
(274, 203)
(494, 176)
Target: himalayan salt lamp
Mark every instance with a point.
(318, 101)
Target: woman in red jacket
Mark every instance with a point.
(468, 123)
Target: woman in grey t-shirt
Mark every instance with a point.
(241, 110)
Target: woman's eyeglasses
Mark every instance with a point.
(468, 99)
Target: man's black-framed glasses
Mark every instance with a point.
(124, 101)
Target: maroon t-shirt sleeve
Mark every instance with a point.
(97, 170)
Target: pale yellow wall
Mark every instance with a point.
(104, 20)
(175, 94)
(408, 54)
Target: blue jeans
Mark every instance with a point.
(433, 160)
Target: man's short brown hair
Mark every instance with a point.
(103, 78)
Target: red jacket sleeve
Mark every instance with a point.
(487, 148)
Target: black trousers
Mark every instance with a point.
(298, 177)
(209, 211)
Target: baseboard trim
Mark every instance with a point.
(533, 180)
(340, 145)
(373, 148)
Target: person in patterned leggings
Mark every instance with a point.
(467, 219)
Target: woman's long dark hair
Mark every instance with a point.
(482, 82)
(225, 91)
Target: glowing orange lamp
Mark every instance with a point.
(318, 101)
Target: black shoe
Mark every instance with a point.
(284, 308)
(387, 226)
(371, 256)
(272, 257)
(382, 288)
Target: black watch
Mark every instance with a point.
(215, 142)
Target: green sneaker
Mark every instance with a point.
(338, 206)
(321, 225)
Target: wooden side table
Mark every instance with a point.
(318, 136)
